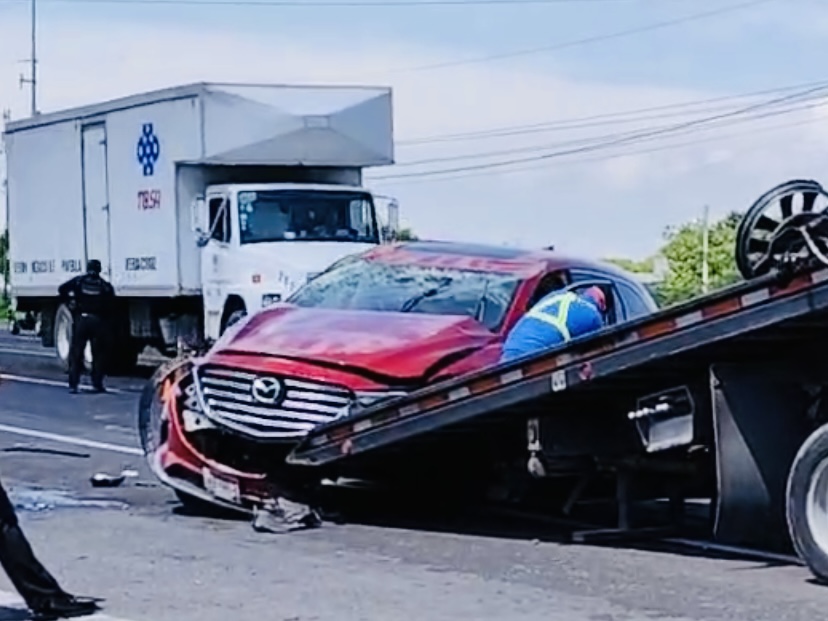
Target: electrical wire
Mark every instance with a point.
(605, 158)
(603, 145)
(619, 34)
(598, 120)
(344, 3)
(823, 99)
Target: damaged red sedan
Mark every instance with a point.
(371, 327)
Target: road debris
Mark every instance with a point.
(282, 516)
(37, 500)
(101, 479)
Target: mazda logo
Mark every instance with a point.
(266, 390)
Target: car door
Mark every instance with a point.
(583, 278)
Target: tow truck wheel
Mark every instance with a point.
(807, 503)
(63, 338)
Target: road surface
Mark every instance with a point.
(133, 545)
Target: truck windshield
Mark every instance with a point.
(306, 215)
(361, 284)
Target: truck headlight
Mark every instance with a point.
(271, 298)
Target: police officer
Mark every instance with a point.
(555, 319)
(39, 589)
(90, 300)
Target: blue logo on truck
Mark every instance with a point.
(148, 149)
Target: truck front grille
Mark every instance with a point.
(248, 403)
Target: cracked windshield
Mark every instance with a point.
(514, 310)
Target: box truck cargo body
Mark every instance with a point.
(202, 202)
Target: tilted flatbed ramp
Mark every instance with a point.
(737, 311)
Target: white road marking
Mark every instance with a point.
(14, 351)
(12, 600)
(47, 382)
(57, 437)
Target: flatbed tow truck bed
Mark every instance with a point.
(722, 393)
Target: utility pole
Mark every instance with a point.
(705, 249)
(4, 268)
(33, 61)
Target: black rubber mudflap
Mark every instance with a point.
(760, 423)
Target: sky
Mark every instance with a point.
(477, 86)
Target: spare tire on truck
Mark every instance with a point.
(807, 503)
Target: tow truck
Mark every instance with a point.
(723, 395)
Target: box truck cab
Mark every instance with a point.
(203, 202)
(260, 242)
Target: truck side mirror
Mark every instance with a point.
(197, 221)
(197, 213)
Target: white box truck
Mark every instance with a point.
(203, 202)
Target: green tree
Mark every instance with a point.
(631, 265)
(4, 271)
(4, 251)
(406, 234)
(683, 250)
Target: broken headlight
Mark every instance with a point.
(364, 399)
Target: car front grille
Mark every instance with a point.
(233, 398)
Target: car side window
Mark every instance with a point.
(616, 312)
(549, 283)
(635, 304)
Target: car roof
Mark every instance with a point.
(485, 257)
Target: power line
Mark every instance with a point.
(822, 99)
(587, 40)
(347, 3)
(604, 158)
(596, 120)
(602, 145)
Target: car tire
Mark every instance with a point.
(807, 503)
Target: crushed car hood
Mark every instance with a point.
(399, 345)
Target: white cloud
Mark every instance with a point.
(616, 206)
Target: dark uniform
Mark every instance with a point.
(39, 589)
(90, 300)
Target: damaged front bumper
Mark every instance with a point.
(193, 451)
(181, 446)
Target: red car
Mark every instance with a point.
(372, 326)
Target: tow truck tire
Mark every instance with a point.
(807, 503)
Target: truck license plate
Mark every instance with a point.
(221, 488)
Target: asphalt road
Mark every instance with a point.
(151, 562)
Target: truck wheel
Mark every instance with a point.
(63, 338)
(807, 503)
(232, 318)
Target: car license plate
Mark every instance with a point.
(221, 488)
